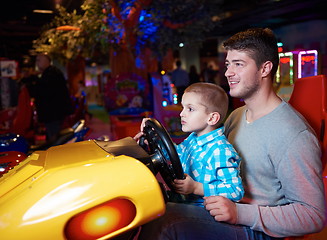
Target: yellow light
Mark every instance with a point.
(101, 220)
(43, 11)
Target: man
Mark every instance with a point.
(180, 78)
(52, 99)
(281, 169)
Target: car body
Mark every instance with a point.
(82, 190)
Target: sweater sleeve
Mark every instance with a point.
(300, 175)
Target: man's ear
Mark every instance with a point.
(213, 118)
(266, 68)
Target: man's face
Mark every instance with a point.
(42, 62)
(242, 74)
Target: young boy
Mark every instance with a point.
(210, 162)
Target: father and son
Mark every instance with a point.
(256, 174)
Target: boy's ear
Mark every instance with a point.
(213, 118)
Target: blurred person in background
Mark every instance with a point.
(193, 75)
(180, 78)
(51, 96)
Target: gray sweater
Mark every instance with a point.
(281, 172)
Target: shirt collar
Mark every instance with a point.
(208, 137)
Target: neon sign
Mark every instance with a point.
(285, 72)
(307, 63)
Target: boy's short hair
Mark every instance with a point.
(213, 97)
(259, 43)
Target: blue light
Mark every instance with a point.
(147, 26)
(175, 98)
(164, 103)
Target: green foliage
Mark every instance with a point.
(176, 21)
(89, 38)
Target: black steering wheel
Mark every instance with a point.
(163, 153)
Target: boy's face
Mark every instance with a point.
(242, 74)
(194, 117)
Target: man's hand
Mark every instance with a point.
(221, 208)
(188, 186)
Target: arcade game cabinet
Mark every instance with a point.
(165, 107)
(294, 65)
(128, 99)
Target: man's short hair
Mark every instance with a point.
(213, 97)
(259, 43)
(46, 55)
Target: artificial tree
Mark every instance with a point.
(132, 34)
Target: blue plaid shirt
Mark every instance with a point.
(211, 160)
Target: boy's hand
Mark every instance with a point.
(139, 134)
(188, 186)
(143, 123)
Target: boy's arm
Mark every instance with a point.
(222, 177)
(188, 186)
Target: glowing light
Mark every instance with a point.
(285, 58)
(101, 220)
(42, 11)
(163, 72)
(181, 45)
(308, 58)
(164, 103)
(175, 98)
(68, 28)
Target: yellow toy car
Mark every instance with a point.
(88, 190)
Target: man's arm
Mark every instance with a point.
(300, 175)
(301, 180)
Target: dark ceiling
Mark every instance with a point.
(19, 26)
(240, 15)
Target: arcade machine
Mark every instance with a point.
(307, 63)
(294, 65)
(128, 99)
(165, 107)
(285, 75)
